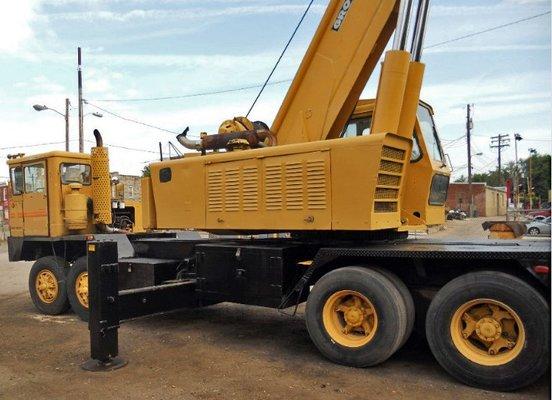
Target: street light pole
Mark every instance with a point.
(79, 72)
(67, 104)
(469, 127)
(517, 138)
(530, 183)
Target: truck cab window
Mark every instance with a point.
(430, 134)
(361, 127)
(35, 178)
(75, 173)
(16, 177)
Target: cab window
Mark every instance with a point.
(361, 127)
(35, 178)
(16, 177)
(430, 134)
(75, 173)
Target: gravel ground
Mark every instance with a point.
(220, 352)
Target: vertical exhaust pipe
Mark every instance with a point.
(401, 32)
(419, 30)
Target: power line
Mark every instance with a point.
(280, 58)
(214, 92)
(30, 145)
(191, 95)
(494, 28)
(131, 120)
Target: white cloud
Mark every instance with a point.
(183, 14)
(15, 24)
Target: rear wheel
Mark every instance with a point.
(77, 287)
(407, 298)
(47, 285)
(356, 316)
(533, 231)
(490, 330)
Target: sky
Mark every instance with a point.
(135, 49)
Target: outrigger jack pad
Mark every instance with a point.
(101, 366)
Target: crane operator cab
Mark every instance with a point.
(427, 156)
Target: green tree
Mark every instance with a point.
(540, 174)
(146, 172)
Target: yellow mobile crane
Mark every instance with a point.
(343, 188)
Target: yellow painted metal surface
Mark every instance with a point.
(350, 318)
(487, 332)
(75, 208)
(101, 185)
(340, 59)
(307, 186)
(149, 220)
(391, 89)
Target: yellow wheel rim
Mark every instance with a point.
(46, 286)
(81, 288)
(350, 318)
(487, 332)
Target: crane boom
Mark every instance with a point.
(328, 83)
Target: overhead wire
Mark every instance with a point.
(280, 57)
(254, 86)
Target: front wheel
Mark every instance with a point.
(77, 287)
(534, 231)
(47, 285)
(490, 330)
(356, 316)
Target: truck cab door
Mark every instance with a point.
(15, 209)
(35, 200)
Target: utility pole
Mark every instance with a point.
(469, 127)
(67, 104)
(517, 138)
(79, 72)
(499, 142)
(532, 152)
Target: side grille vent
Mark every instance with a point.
(386, 196)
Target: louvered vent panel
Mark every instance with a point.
(250, 194)
(390, 166)
(294, 186)
(232, 190)
(214, 190)
(391, 152)
(381, 207)
(316, 185)
(389, 196)
(273, 187)
(382, 193)
(389, 180)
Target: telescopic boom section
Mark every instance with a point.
(342, 55)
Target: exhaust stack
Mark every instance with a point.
(101, 182)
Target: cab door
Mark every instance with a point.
(35, 200)
(15, 201)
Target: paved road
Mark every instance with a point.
(220, 352)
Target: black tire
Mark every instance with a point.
(533, 231)
(408, 301)
(389, 306)
(533, 311)
(56, 266)
(78, 267)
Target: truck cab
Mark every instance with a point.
(39, 184)
(423, 205)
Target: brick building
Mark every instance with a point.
(488, 201)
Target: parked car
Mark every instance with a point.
(536, 228)
(456, 214)
(545, 212)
